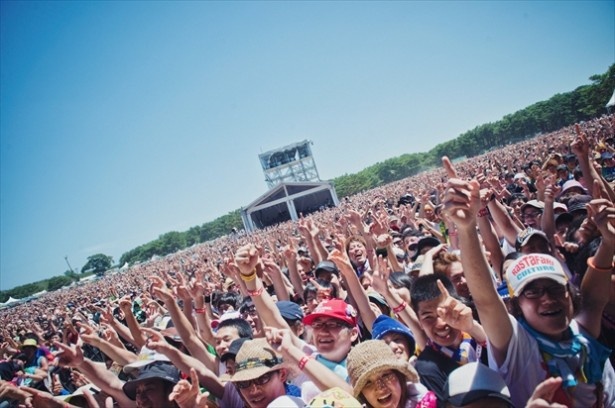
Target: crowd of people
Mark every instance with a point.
(484, 283)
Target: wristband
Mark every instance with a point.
(483, 212)
(199, 310)
(304, 360)
(590, 263)
(399, 308)
(250, 277)
(256, 292)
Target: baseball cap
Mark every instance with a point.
(289, 310)
(524, 237)
(472, 382)
(425, 242)
(384, 325)
(334, 308)
(326, 266)
(530, 267)
(29, 343)
(233, 348)
(534, 203)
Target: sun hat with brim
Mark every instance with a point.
(578, 203)
(29, 343)
(373, 357)
(472, 382)
(255, 358)
(524, 237)
(531, 267)
(334, 308)
(334, 398)
(158, 371)
(78, 394)
(572, 184)
(384, 325)
(145, 357)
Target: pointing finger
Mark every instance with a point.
(448, 166)
(442, 288)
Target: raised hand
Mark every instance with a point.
(380, 276)
(280, 340)
(69, 356)
(160, 289)
(453, 312)
(88, 335)
(187, 394)
(246, 259)
(580, 145)
(341, 260)
(461, 198)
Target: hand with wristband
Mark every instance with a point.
(246, 259)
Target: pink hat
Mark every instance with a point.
(335, 308)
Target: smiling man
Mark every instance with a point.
(259, 378)
(334, 329)
(454, 338)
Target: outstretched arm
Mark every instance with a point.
(461, 202)
(596, 283)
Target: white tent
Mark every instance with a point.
(11, 300)
(611, 101)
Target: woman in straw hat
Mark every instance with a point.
(380, 380)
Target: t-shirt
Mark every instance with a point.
(524, 369)
(433, 368)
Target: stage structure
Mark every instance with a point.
(294, 188)
(286, 201)
(289, 164)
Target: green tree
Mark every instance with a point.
(71, 274)
(98, 264)
(57, 282)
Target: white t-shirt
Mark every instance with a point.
(523, 370)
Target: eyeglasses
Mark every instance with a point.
(329, 325)
(532, 215)
(538, 292)
(262, 380)
(250, 312)
(384, 378)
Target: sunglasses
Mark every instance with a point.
(262, 380)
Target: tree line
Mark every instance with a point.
(563, 109)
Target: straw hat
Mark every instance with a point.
(374, 357)
(255, 358)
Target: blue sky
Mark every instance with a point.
(120, 121)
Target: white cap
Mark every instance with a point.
(530, 267)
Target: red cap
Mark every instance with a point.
(334, 308)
